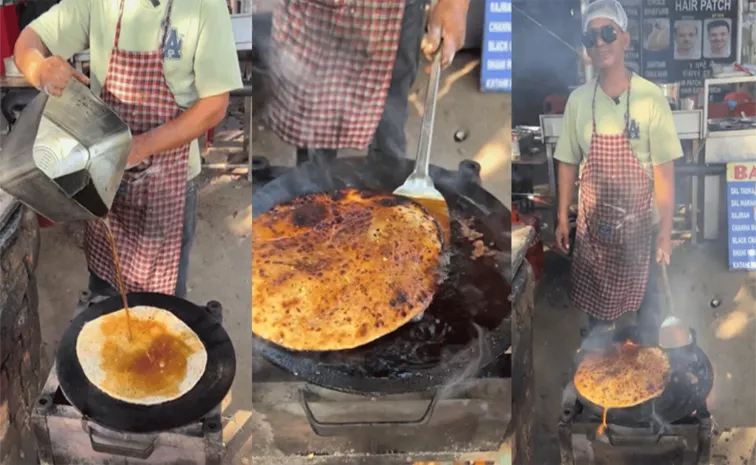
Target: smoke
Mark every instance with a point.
(469, 369)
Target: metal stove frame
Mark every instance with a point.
(65, 437)
(289, 428)
(579, 445)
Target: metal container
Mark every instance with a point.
(671, 90)
(687, 104)
(65, 156)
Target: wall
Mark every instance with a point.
(20, 340)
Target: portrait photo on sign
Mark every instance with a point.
(718, 38)
(656, 34)
(687, 39)
(633, 27)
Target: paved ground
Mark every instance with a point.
(221, 255)
(698, 275)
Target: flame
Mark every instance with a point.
(602, 426)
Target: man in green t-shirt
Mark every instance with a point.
(619, 137)
(167, 67)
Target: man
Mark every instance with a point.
(619, 135)
(341, 73)
(719, 38)
(686, 39)
(167, 67)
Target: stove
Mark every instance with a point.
(676, 429)
(65, 437)
(485, 414)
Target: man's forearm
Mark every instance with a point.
(567, 177)
(193, 123)
(664, 191)
(28, 53)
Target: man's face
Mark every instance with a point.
(718, 36)
(607, 55)
(685, 38)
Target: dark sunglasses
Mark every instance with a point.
(607, 33)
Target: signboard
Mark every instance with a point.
(741, 215)
(496, 65)
(634, 50)
(678, 40)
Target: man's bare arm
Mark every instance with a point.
(45, 72)
(664, 191)
(205, 114)
(28, 53)
(567, 177)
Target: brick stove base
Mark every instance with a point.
(20, 337)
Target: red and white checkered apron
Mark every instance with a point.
(613, 242)
(331, 69)
(148, 211)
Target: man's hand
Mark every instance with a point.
(663, 248)
(446, 29)
(54, 73)
(138, 152)
(563, 236)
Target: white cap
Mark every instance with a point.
(609, 9)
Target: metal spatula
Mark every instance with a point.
(419, 185)
(672, 324)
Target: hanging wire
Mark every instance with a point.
(549, 31)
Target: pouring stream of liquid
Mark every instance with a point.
(117, 264)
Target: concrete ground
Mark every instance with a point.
(698, 274)
(221, 255)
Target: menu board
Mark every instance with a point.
(633, 53)
(741, 215)
(678, 40)
(496, 64)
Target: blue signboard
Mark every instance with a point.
(496, 66)
(741, 215)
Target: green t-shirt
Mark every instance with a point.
(657, 141)
(204, 62)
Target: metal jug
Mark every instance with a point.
(65, 156)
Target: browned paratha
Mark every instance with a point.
(336, 271)
(622, 378)
(625, 376)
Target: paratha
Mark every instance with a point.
(335, 271)
(624, 377)
(160, 361)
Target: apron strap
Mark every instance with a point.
(627, 105)
(118, 25)
(163, 33)
(166, 24)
